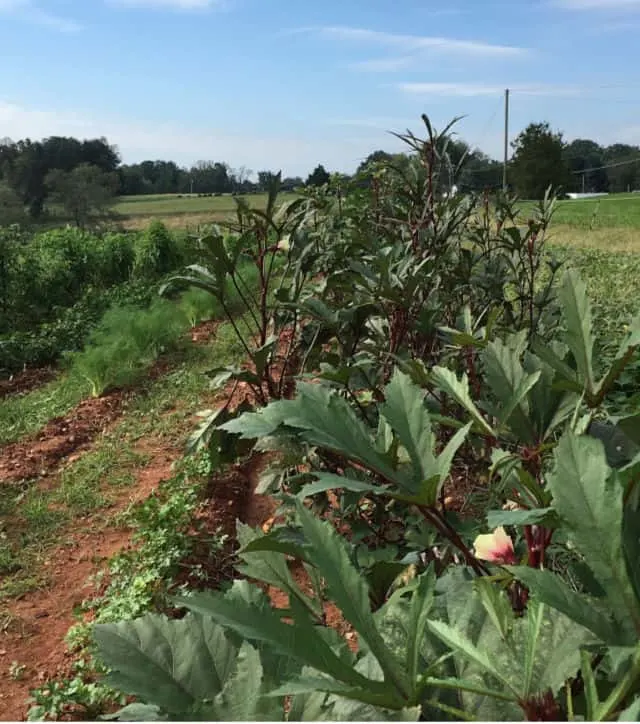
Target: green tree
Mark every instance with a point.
(625, 174)
(210, 177)
(538, 161)
(264, 179)
(372, 159)
(585, 159)
(318, 177)
(291, 183)
(26, 164)
(11, 206)
(479, 172)
(84, 192)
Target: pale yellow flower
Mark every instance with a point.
(284, 244)
(495, 547)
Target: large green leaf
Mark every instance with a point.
(549, 406)
(252, 425)
(405, 411)
(527, 654)
(241, 698)
(430, 492)
(289, 541)
(323, 419)
(136, 712)
(262, 624)
(624, 690)
(348, 590)
(497, 606)
(536, 516)
(329, 481)
(310, 706)
(510, 384)
(421, 604)
(175, 665)
(549, 643)
(463, 646)
(447, 381)
(588, 498)
(270, 567)
(310, 684)
(552, 590)
(579, 332)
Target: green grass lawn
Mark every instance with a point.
(618, 210)
(603, 212)
(611, 223)
(174, 204)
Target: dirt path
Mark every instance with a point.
(26, 381)
(33, 628)
(42, 453)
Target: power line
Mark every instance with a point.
(609, 165)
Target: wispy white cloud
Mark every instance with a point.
(41, 17)
(170, 4)
(412, 43)
(598, 4)
(406, 51)
(481, 89)
(30, 12)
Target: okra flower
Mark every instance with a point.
(495, 547)
(284, 244)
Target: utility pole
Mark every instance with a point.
(506, 140)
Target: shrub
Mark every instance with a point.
(157, 252)
(114, 258)
(126, 343)
(199, 306)
(68, 333)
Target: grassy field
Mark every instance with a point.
(183, 210)
(619, 210)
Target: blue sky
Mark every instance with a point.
(270, 84)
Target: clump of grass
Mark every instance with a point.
(126, 343)
(199, 306)
(157, 252)
(22, 415)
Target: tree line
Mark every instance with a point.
(83, 177)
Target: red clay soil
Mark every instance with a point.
(259, 511)
(41, 454)
(26, 380)
(35, 626)
(61, 436)
(231, 498)
(32, 629)
(205, 331)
